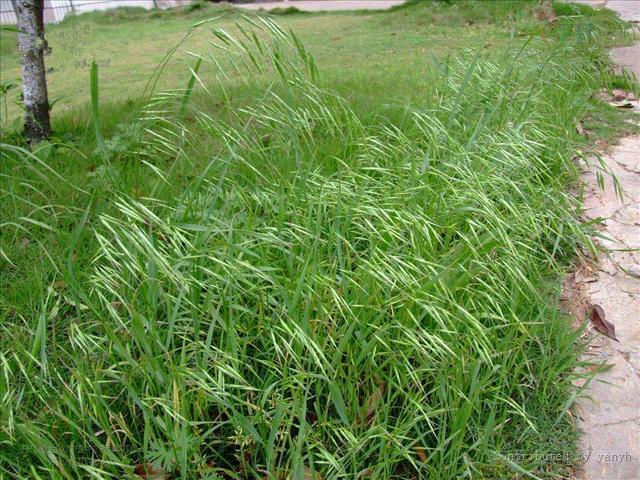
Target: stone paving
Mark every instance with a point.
(609, 417)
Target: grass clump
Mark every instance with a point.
(304, 289)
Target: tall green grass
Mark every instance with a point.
(331, 297)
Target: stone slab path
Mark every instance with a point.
(610, 418)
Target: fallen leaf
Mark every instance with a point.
(580, 128)
(311, 475)
(601, 323)
(149, 472)
(421, 454)
(367, 473)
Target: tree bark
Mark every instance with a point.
(32, 46)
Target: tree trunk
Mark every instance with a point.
(32, 46)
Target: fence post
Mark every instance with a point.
(73, 8)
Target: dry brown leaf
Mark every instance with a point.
(421, 454)
(311, 475)
(368, 473)
(580, 128)
(150, 472)
(601, 323)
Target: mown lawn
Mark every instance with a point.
(394, 52)
(332, 249)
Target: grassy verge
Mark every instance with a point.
(299, 268)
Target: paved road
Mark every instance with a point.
(328, 5)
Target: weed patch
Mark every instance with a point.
(265, 279)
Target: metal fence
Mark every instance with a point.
(56, 10)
